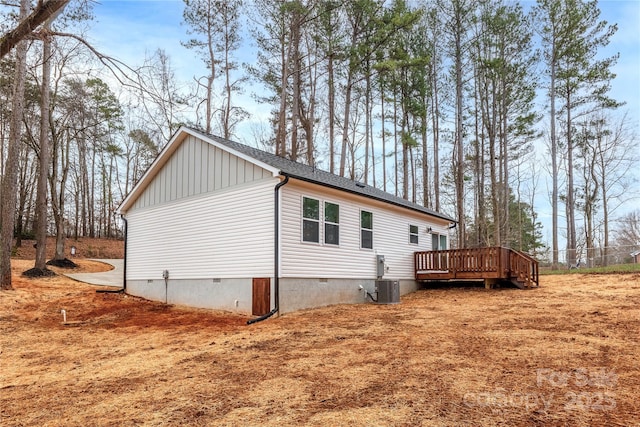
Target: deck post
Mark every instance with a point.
(490, 283)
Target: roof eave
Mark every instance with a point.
(368, 196)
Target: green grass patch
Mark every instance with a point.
(610, 269)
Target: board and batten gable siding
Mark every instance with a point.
(197, 167)
(348, 261)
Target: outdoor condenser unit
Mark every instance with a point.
(388, 291)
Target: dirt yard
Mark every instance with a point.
(85, 248)
(564, 354)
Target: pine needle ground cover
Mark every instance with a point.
(563, 354)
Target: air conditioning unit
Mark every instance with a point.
(388, 291)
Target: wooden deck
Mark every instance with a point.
(492, 264)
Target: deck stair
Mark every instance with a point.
(491, 264)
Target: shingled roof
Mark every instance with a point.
(317, 176)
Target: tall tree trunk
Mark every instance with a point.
(10, 177)
(92, 199)
(209, 104)
(367, 122)
(413, 175)
(459, 145)
(435, 125)
(425, 157)
(554, 164)
(384, 136)
(405, 152)
(332, 114)
(345, 124)
(45, 156)
(605, 203)
(296, 102)
(59, 198)
(571, 220)
(226, 120)
(504, 142)
(395, 141)
(281, 126)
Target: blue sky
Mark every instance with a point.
(129, 29)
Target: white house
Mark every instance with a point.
(217, 224)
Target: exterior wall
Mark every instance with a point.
(300, 294)
(224, 234)
(224, 294)
(348, 261)
(196, 168)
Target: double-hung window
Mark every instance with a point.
(331, 223)
(413, 234)
(314, 220)
(366, 230)
(310, 220)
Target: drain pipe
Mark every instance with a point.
(124, 265)
(276, 244)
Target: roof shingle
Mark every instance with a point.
(317, 176)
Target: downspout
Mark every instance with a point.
(124, 266)
(276, 245)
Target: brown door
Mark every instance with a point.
(261, 296)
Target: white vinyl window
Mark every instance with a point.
(310, 220)
(331, 223)
(314, 220)
(366, 230)
(413, 234)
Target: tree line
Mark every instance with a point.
(435, 101)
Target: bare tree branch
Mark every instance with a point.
(120, 71)
(43, 11)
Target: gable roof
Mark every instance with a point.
(278, 165)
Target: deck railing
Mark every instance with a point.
(524, 267)
(477, 263)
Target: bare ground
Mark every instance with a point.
(564, 354)
(85, 248)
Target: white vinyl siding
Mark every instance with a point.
(224, 234)
(347, 260)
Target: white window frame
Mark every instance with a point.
(327, 222)
(366, 229)
(412, 234)
(317, 221)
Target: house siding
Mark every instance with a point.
(195, 168)
(348, 261)
(223, 234)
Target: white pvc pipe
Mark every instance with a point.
(64, 316)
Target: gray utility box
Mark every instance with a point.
(388, 291)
